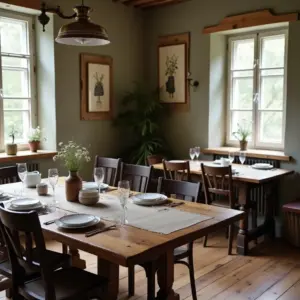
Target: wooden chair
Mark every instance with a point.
(9, 175)
(112, 169)
(187, 191)
(138, 176)
(67, 283)
(154, 159)
(218, 190)
(177, 170)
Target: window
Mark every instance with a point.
(17, 101)
(257, 88)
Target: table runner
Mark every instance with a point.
(161, 219)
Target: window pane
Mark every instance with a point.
(273, 48)
(11, 104)
(15, 62)
(15, 83)
(14, 37)
(243, 54)
(243, 118)
(271, 93)
(21, 122)
(242, 93)
(271, 127)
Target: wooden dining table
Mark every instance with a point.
(128, 245)
(245, 179)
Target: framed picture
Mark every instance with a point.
(173, 60)
(96, 87)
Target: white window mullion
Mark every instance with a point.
(256, 91)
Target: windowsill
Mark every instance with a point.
(265, 154)
(26, 155)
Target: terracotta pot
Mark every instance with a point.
(243, 145)
(34, 146)
(11, 149)
(73, 186)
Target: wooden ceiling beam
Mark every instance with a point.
(33, 4)
(148, 3)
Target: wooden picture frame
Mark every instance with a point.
(173, 52)
(96, 80)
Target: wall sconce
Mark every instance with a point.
(191, 81)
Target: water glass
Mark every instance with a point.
(192, 153)
(242, 157)
(22, 172)
(53, 179)
(231, 156)
(124, 192)
(99, 177)
(197, 152)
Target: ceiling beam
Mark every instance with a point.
(33, 4)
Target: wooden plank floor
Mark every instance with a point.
(271, 272)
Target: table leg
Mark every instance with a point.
(76, 260)
(242, 238)
(111, 272)
(269, 223)
(165, 276)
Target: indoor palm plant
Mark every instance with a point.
(142, 114)
(242, 134)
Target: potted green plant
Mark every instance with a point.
(142, 113)
(34, 138)
(12, 148)
(73, 156)
(242, 134)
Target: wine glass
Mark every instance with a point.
(53, 179)
(242, 157)
(124, 191)
(99, 177)
(197, 152)
(192, 153)
(231, 156)
(22, 172)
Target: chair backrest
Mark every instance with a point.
(138, 176)
(217, 182)
(20, 252)
(177, 170)
(184, 190)
(154, 159)
(111, 167)
(9, 175)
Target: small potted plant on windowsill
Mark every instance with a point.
(242, 134)
(12, 148)
(34, 139)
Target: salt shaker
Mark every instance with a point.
(42, 189)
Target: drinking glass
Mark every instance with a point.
(53, 179)
(124, 191)
(192, 153)
(242, 157)
(231, 156)
(197, 152)
(22, 172)
(99, 177)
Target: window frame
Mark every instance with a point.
(257, 35)
(32, 76)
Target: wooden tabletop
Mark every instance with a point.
(245, 173)
(129, 245)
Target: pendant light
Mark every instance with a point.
(81, 32)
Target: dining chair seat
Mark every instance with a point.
(181, 252)
(71, 283)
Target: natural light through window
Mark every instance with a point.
(256, 88)
(17, 82)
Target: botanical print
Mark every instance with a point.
(172, 77)
(98, 85)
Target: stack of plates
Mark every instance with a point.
(89, 196)
(149, 199)
(25, 204)
(94, 186)
(262, 166)
(77, 221)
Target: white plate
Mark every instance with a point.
(18, 208)
(149, 199)
(177, 161)
(262, 166)
(94, 185)
(25, 203)
(65, 226)
(77, 220)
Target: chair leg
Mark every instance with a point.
(205, 241)
(150, 273)
(192, 276)
(254, 220)
(230, 240)
(131, 281)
